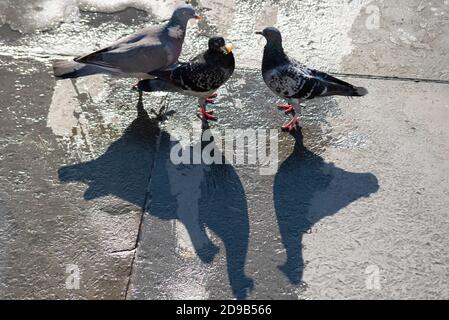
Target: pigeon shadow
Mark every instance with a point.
(307, 189)
(204, 196)
(201, 196)
(124, 169)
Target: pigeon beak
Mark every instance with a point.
(228, 48)
(259, 32)
(197, 17)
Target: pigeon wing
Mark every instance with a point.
(335, 86)
(289, 80)
(200, 76)
(196, 75)
(328, 78)
(140, 52)
(169, 74)
(300, 82)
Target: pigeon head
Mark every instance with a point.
(272, 35)
(218, 44)
(274, 54)
(183, 14)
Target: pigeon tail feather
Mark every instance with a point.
(63, 69)
(360, 91)
(347, 91)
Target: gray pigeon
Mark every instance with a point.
(295, 82)
(136, 55)
(199, 77)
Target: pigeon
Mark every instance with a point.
(136, 55)
(200, 77)
(295, 82)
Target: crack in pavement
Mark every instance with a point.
(124, 251)
(389, 78)
(365, 76)
(47, 57)
(165, 102)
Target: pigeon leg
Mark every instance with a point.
(206, 115)
(210, 98)
(291, 125)
(287, 108)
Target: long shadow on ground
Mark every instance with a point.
(198, 195)
(307, 189)
(124, 169)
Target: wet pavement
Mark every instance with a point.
(356, 209)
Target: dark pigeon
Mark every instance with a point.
(295, 82)
(200, 77)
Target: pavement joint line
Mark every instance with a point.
(165, 101)
(365, 76)
(123, 250)
(252, 69)
(389, 78)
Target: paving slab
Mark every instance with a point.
(355, 209)
(344, 203)
(401, 38)
(51, 227)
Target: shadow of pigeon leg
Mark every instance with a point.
(140, 109)
(162, 115)
(204, 125)
(294, 265)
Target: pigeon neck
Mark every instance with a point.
(219, 59)
(274, 46)
(173, 22)
(274, 55)
(175, 29)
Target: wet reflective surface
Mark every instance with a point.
(86, 176)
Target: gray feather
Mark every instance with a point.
(139, 53)
(70, 69)
(147, 50)
(292, 80)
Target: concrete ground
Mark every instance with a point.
(91, 207)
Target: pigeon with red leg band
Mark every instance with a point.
(206, 115)
(295, 82)
(200, 77)
(287, 108)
